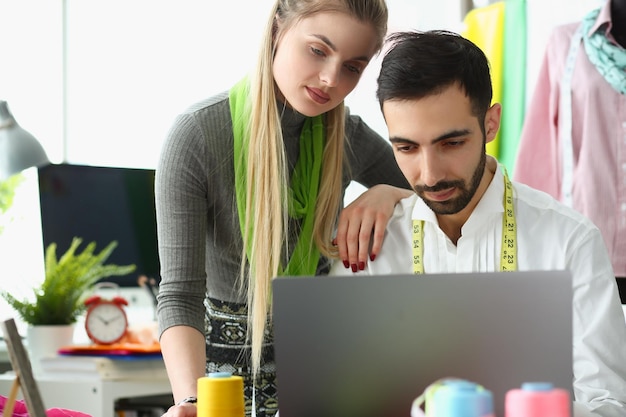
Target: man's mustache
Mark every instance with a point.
(440, 186)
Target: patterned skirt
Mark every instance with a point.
(227, 351)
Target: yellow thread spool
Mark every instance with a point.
(220, 395)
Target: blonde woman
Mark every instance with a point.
(250, 184)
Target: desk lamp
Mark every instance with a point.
(18, 148)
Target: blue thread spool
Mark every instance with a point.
(460, 398)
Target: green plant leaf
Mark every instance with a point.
(7, 191)
(69, 280)
(7, 194)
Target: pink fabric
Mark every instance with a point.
(20, 410)
(598, 141)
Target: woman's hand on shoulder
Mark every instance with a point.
(361, 226)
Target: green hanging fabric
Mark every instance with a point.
(302, 195)
(514, 81)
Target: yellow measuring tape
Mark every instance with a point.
(508, 251)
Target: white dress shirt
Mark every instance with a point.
(550, 236)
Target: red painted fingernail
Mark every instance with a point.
(372, 257)
(346, 264)
(354, 268)
(361, 265)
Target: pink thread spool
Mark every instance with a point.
(537, 399)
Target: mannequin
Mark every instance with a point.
(618, 17)
(573, 144)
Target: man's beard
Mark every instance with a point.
(456, 204)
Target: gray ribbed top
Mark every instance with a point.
(198, 227)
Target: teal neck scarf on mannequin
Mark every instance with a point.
(607, 57)
(305, 180)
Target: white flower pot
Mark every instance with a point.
(45, 341)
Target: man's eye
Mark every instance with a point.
(405, 148)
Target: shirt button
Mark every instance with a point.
(623, 206)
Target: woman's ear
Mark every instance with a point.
(492, 121)
(278, 23)
(276, 29)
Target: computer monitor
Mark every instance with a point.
(102, 204)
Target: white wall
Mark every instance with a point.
(31, 67)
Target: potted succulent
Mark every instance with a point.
(60, 299)
(68, 281)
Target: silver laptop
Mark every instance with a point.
(367, 346)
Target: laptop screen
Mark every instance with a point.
(367, 346)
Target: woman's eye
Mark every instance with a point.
(316, 51)
(353, 68)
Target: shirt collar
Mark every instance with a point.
(603, 22)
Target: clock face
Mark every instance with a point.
(106, 323)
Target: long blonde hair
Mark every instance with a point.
(266, 213)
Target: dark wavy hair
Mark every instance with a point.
(419, 64)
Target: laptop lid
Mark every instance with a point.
(367, 346)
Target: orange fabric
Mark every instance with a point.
(113, 349)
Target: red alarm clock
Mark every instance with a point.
(106, 321)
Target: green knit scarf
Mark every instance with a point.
(304, 182)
